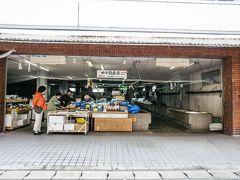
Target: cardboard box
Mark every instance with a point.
(57, 119)
(112, 125)
(69, 127)
(79, 127)
(106, 115)
(55, 127)
(134, 119)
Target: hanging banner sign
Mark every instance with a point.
(115, 74)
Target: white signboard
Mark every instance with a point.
(115, 74)
(172, 62)
(45, 59)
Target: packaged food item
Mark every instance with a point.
(80, 120)
(88, 106)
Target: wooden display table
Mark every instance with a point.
(112, 121)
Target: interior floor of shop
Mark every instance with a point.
(162, 126)
(20, 149)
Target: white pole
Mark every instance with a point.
(78, 16)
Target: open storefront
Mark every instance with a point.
(130, 93)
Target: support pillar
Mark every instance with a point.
(231, 99)
(3, 78)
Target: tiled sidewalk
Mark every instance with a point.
(20, 150)
(124, 175)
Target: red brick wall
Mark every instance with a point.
(2, 92)
(236, 94)
(227, 95)
(115, 50)
(231, 65)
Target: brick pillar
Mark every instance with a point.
(227, 96)
(231, 102)
(236, 93)
(3, 75)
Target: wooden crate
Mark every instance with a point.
(119, 97)
(112, 125)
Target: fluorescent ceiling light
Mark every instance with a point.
(46, 59)
(33, 76)
(74, 60)
(89, 63)
(172, 67)
(20, 65)
(43, 68)
(102, 68)
(69, 77)
(30, 63)
(172, 62)
(29, 67)
(124, 61)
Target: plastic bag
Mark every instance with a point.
(133, 109)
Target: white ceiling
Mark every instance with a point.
(146, 66)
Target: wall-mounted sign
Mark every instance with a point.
(116, 74)
(46, 59)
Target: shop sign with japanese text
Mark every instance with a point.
(111, 74)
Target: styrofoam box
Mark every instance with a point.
(22, 116)
(55, 127)
(22, 122)
(109, 115)
(57, 119)
(215, 127)
(8, 119)
(15, 123)
(69, 127)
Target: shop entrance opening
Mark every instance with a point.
(172, 94)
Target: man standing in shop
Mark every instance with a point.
(90, 93)
(66, 98)
(39, 105)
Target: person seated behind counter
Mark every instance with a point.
(87, 98)
(66, 99)
(54, 102)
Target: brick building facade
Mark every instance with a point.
(229, 55)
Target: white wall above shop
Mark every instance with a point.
(196, 15)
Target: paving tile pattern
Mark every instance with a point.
(121, 175)
(119, 151)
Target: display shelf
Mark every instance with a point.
(15, 101)
(15, 120)
(62, 122)
(18, 113)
